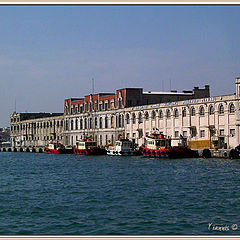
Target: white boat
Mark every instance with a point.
(123, 147)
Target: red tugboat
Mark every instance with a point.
(157, 145)
(57, 148)
(88, 147)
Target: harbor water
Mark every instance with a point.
(44, 194)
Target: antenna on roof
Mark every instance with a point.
(92, 85)
(15, 106)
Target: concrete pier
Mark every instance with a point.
(22, 149)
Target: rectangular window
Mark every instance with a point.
(176, 134)
(232, 132)
(221, 132)
(184, 133)
(202, 133)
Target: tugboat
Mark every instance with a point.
(159, 146)
(88, 147)
(57, 148)
(123, 147)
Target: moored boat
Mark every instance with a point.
(57, 148)
(122, 147)
(158, 145)
(88, 147)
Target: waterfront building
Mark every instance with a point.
(5, 137)
(133, 114)
(106, 116)
(35, 129)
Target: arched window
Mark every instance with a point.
(231, 108)
(112, 122)
(168, 113)
(176, 114)
(201, 111)
(81, 123)
(106, 122)
(211, 110)
(140, 118)
(134, 118)
(100, 122)
(127, 118)
(146, 115)
(120, 121)
(85, 123)
(193, 111)
(160, 114)
(71, 124)
(153, 114)
(184, 112)
(96, 122)
(76, 124)
(221, 109)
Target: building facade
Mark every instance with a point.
(35, 129)
(133, 114)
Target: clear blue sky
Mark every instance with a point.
(49, 53)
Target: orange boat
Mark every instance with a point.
(158, 145)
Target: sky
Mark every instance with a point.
(49, 53)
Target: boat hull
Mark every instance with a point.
(121, 153)
(173, 152)
(58, 151)
(94, 151)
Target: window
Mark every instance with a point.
(184, 133)
(176, 114)
(81, 123)
(202, 133)
(176, 134)
(140, 118)
(146, 115)
(106, 105)
(100, 122)
(81, 109)
(76, 124)
(168, 113)
(106, 122)
(127, 119)
(221, 132)
(96, 105)
(221, 109)
(134, 118)
(71, 124)
(101, 106)
(193, 111)
(232, 132)
(153, 114)
(86, 106)
(231, 108)
(95, 122)
(160, 114)
(201, 111)
(211, 110)
(112, 122)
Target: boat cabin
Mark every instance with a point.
(157, 141)
(123, 144)
(86, 144)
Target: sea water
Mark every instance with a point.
(44, 194)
